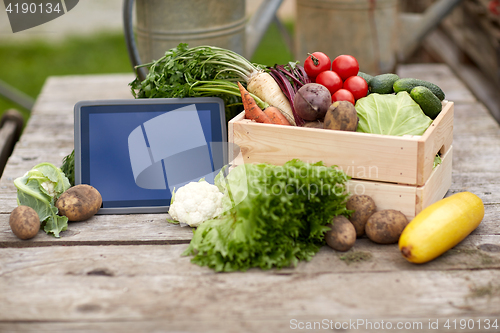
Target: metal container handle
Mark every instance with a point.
(133, 52)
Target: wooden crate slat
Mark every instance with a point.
(406, 160)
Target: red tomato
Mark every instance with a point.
(330, 80)
(343, 95)
(316, 63)
(345, 66)
(357, 86)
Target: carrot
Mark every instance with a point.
(276, 116)
(263, 85)
(252, 110)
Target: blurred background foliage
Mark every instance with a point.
(26, 66)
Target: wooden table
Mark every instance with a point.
(125, 273)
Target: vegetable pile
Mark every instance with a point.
(39, 189)
(385, 104)
(45, 197)
(246, 223)
(291, 94)
(338, 76)
(281, 216)
(435, 230)
(382, 226)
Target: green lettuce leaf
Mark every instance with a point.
(39, 189)
(437, 161)
(234, 186)
(68, 167)
(280, 218)
(391, 115)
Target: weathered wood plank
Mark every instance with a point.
(105, 230)
(476, 155)
(98, 82)
(23, 159)
(485, 88)
(60, 94)
(454, 89)
(240, 324)
(49, 122)
(152, 283)
(482, 183)
(475, 252)
(473, 119)
(476, 142)
(78, 87)
(474, 30)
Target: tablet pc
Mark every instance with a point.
(136, 152)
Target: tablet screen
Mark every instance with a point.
(135, 153)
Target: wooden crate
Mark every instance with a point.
(385, 158)
(408, 199)
(397, 171)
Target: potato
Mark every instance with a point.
(342, 235)
(24, 222)
(363, 207)
(314, 124)
(341, 115)
(79, 203)
(386, 226)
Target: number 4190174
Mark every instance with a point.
(32, 8)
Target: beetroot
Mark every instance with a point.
(312, 101)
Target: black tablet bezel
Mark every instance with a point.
(84, 108)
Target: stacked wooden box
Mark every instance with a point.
(398, 172)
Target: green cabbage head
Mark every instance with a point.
(39, 189)
(391, 114)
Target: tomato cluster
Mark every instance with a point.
(338, 76)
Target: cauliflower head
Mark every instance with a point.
(196, 202)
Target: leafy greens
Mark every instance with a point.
(391, 115)
(39, 188)
(279, 216)
(197, 72)
(68, 167)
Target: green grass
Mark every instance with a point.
(273, 49)
(26, 66)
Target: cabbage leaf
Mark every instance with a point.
(391, 115)
(39, 188)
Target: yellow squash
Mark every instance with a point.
(441, 226)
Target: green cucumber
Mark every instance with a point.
(383, 83)
(365, 76)
(407, 84)
(429, 103)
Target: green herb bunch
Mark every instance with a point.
(68, 167)
(196, 72)
(280, 216)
